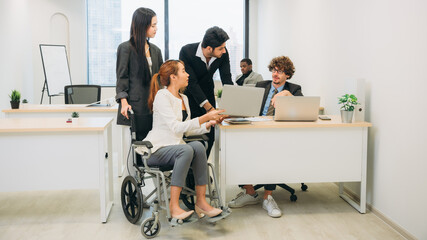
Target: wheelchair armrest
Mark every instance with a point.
(196, 138)
(143, 143)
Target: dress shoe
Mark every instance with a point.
(212, 213)
(183, 216)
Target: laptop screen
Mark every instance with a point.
(296, 108)
(241, 101)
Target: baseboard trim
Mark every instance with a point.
(381, 216)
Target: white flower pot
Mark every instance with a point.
(346, 116)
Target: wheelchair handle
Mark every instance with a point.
(132, 124)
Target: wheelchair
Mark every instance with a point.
(133, 200)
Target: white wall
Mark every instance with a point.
(332, 44)
(16, 66)
(24, 25)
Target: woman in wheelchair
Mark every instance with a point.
(171, 120)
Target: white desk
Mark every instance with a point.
(293, 152)
(121, 138)
(50, 154)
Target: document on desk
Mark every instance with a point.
(237, 121)
(258, 119)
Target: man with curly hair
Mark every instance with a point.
(282, 69)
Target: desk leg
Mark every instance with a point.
(106, 191)
(216, 153)
(220, 161)
(121, 150)
(362, 205)
(364, 171)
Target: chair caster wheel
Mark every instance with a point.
(293, 198)
(304, 187)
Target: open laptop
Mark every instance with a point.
(239, 101)
(296, 108)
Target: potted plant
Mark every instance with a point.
(348, 101)
(24, 101)
(218, 96)
(219, 93)
(75, 117)
(15, 98)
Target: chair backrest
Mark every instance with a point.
(82, 94)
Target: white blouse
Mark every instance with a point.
(168, 127)
(150, 65)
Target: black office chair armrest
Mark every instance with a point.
(143, 143)
(196, 138)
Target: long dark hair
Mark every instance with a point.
(166, 70)
(141, 21)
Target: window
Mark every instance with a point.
(187, 28)
(109, 24)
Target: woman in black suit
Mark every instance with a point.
(137, 61)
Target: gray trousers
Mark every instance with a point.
(181, 157)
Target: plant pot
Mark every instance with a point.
(346, 116)
(14, 105)
(75, 120)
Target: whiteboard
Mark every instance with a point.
(55, 67)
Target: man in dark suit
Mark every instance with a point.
(201, 61)
(282, 70)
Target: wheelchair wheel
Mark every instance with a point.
(188, 200)
(146, 228)
(132, 201)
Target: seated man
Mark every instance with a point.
(248, 77)
(282, 69)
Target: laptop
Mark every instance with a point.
(239, 101)
(296, 108)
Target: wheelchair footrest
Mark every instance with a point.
(225, 213)
(176, 222)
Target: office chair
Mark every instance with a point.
(82, 94)
(293, 197)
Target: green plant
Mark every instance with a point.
(219, 93)
(75, 115)
(15, 96)
(24, 101)
(348, 102)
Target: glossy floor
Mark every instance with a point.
(73, 214)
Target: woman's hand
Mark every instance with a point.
(125, 107)
(214, 115)
(210, 123)
(214, 122)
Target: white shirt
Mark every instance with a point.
(168, 127)
(199, 53)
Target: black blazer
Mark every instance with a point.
(200, 83)
(293, 88)
(129, 84)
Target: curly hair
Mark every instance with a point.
(284, 64)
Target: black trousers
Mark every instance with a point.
(197, 111)
(268, 187)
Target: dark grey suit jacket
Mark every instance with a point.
(294, 89)
(129, 84)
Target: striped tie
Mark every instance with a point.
(270, 110)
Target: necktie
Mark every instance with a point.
(270, 110)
